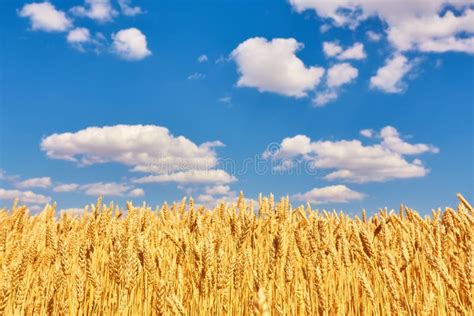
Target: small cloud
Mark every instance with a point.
(68, 187)
(24, 196)
(43, 182)
(373, 36)
(324, 28)
(44, 17)
(330, 194)
(325, 97)
(389, 78)
(98, 10)
(136, 192)
(196, 76)
(203, 58)
(130, 44)
(127, 9)
(78, 35)
(369, 133)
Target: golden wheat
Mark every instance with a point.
(188, 260)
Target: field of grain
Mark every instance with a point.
(237, 259)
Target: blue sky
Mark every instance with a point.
(151, 100)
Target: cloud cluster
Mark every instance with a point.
(24, 196)
(427, 26)
(129, 44)
(272, 66)
(330, 194)
(352, 161)
(144, 148)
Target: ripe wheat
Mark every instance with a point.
(236, 260)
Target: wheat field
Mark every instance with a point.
(236, 259)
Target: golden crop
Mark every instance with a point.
(233, 260)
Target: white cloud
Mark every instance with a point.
(127, 9)
(130, 44)
(105, 189)
(24, 196)
(78, 35)
(354, 52)
(354, 162)
(389, 78)
(67, 187)
(391, 139)
(324, 98)
(145, 148)
(369, 133)
(272, 66)
(99, 10)
(43, 182)
(203, 58)
(73, 211)
(331, 49)
(410, 25)
(330, 194)
(44, 17)
(190, 176)
(337, 76)
(341, 74)
(136, 192)
(373, 36)
(217, 190)
(196, 76)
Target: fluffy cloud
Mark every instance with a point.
(373, 36)
(214, 195)
(352, 161)
(354, 52)
(341, 74)
(44, 17)
(136, 192)
(78, 35)
(333, 49)
(130, 44)
(369, 133)
(391, 139)
(272, 66)
(99, 10)
(24, 196)
(411, 25)
(217, 190)
(105, 189)
(43, 182)
(67, 187)
(203, 58)
(337, 76)
(144, 148)
(324, 98)
(127, 9)
(190, 176)
(389, 78)
(330, 194)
